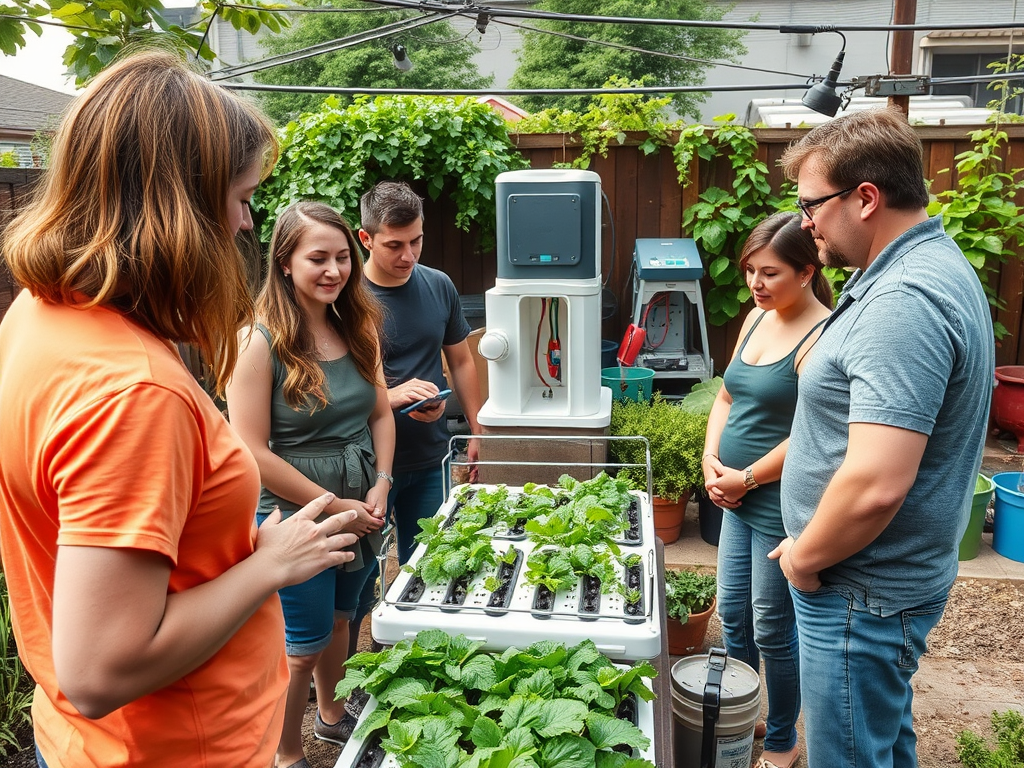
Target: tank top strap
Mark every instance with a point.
(747, 337)
(817, 325)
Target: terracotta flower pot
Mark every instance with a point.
(668, 517)
(1008, 401)
(686, 639)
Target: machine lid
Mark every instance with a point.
(740, 683)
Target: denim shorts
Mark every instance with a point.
(311, 608)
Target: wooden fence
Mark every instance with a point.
(646, 200)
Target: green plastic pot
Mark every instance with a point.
(971, 542)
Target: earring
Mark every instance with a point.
(803, 284)
(287, 274)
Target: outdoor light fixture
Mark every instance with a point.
(402, 60)
(822, 97)
(481, 23)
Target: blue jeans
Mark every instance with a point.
(311, 607)
(414, 496)
(856, 668)
(758, 621)
(39, 758)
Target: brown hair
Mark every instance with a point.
(356, 314)
(389, 204)
(793, 244)
(132, 212)
(875, 145)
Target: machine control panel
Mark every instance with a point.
(667, 259)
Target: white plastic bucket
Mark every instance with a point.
(739, 706)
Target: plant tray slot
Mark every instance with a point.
(413, 592)
(590, 597)
(632, 536)
(458, 589)
(502, 596)
(543, 602)
(368, 753)
(634, 612)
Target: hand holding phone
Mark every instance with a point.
(427, 402)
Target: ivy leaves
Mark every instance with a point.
(335, 154)
(722, 218)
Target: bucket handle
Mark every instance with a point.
(717, 659)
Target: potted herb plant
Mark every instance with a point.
(689, 602)
(676, 437)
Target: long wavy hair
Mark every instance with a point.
(356, 314)
(793, 244)
(132, 212)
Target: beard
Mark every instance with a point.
(830, 257)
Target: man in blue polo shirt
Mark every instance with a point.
(887, 438)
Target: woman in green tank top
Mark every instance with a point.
(309, 399)
(748, 430)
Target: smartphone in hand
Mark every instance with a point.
(439, 397)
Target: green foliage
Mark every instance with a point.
(15, 689)
(550, 61)
(9, 159)
(442, 57)
(688, 592)
(981, 214)
(454, 551)
(701, 396)
(974, 752)
(722, 219)
(676, 439)
(101, 28)
(545, 706)
(337, 153)
(607, 119)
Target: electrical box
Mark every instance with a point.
(548, 225)
(667, 260)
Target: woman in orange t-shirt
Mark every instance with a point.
(144, 600)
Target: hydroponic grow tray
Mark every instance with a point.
(622, 632)
(367, 753)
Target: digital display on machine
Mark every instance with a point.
(667, 259)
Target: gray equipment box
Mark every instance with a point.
(547, 229)
(667, 260)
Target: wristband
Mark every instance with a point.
(386, 476)
(748, 478)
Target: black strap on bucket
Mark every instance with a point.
(710, 705)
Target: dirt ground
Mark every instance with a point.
(974, 664)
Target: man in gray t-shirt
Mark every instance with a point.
(886, 441)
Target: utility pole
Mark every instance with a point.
(902, 61)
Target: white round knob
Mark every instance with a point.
(494, 345)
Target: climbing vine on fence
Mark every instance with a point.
(722, 218)
(335, 154)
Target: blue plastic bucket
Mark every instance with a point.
(1008, 523)
(609, 349)
(629, 383)
(970, 544)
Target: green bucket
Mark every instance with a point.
(629, 383)
(971, 542)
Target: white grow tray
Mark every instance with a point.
(619, 636)
(353, 750)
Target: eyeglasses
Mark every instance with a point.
(807, 207)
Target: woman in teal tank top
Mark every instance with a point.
(748, 430)
(309, 399)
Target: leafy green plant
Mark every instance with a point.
(607, 119)
(974, 752)
(981, 214)
(722, 218)
(15, 690)
(9, 159)
(334, 154)
(444, 702)
(676, 439)
(688, 592)
(454, 551)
